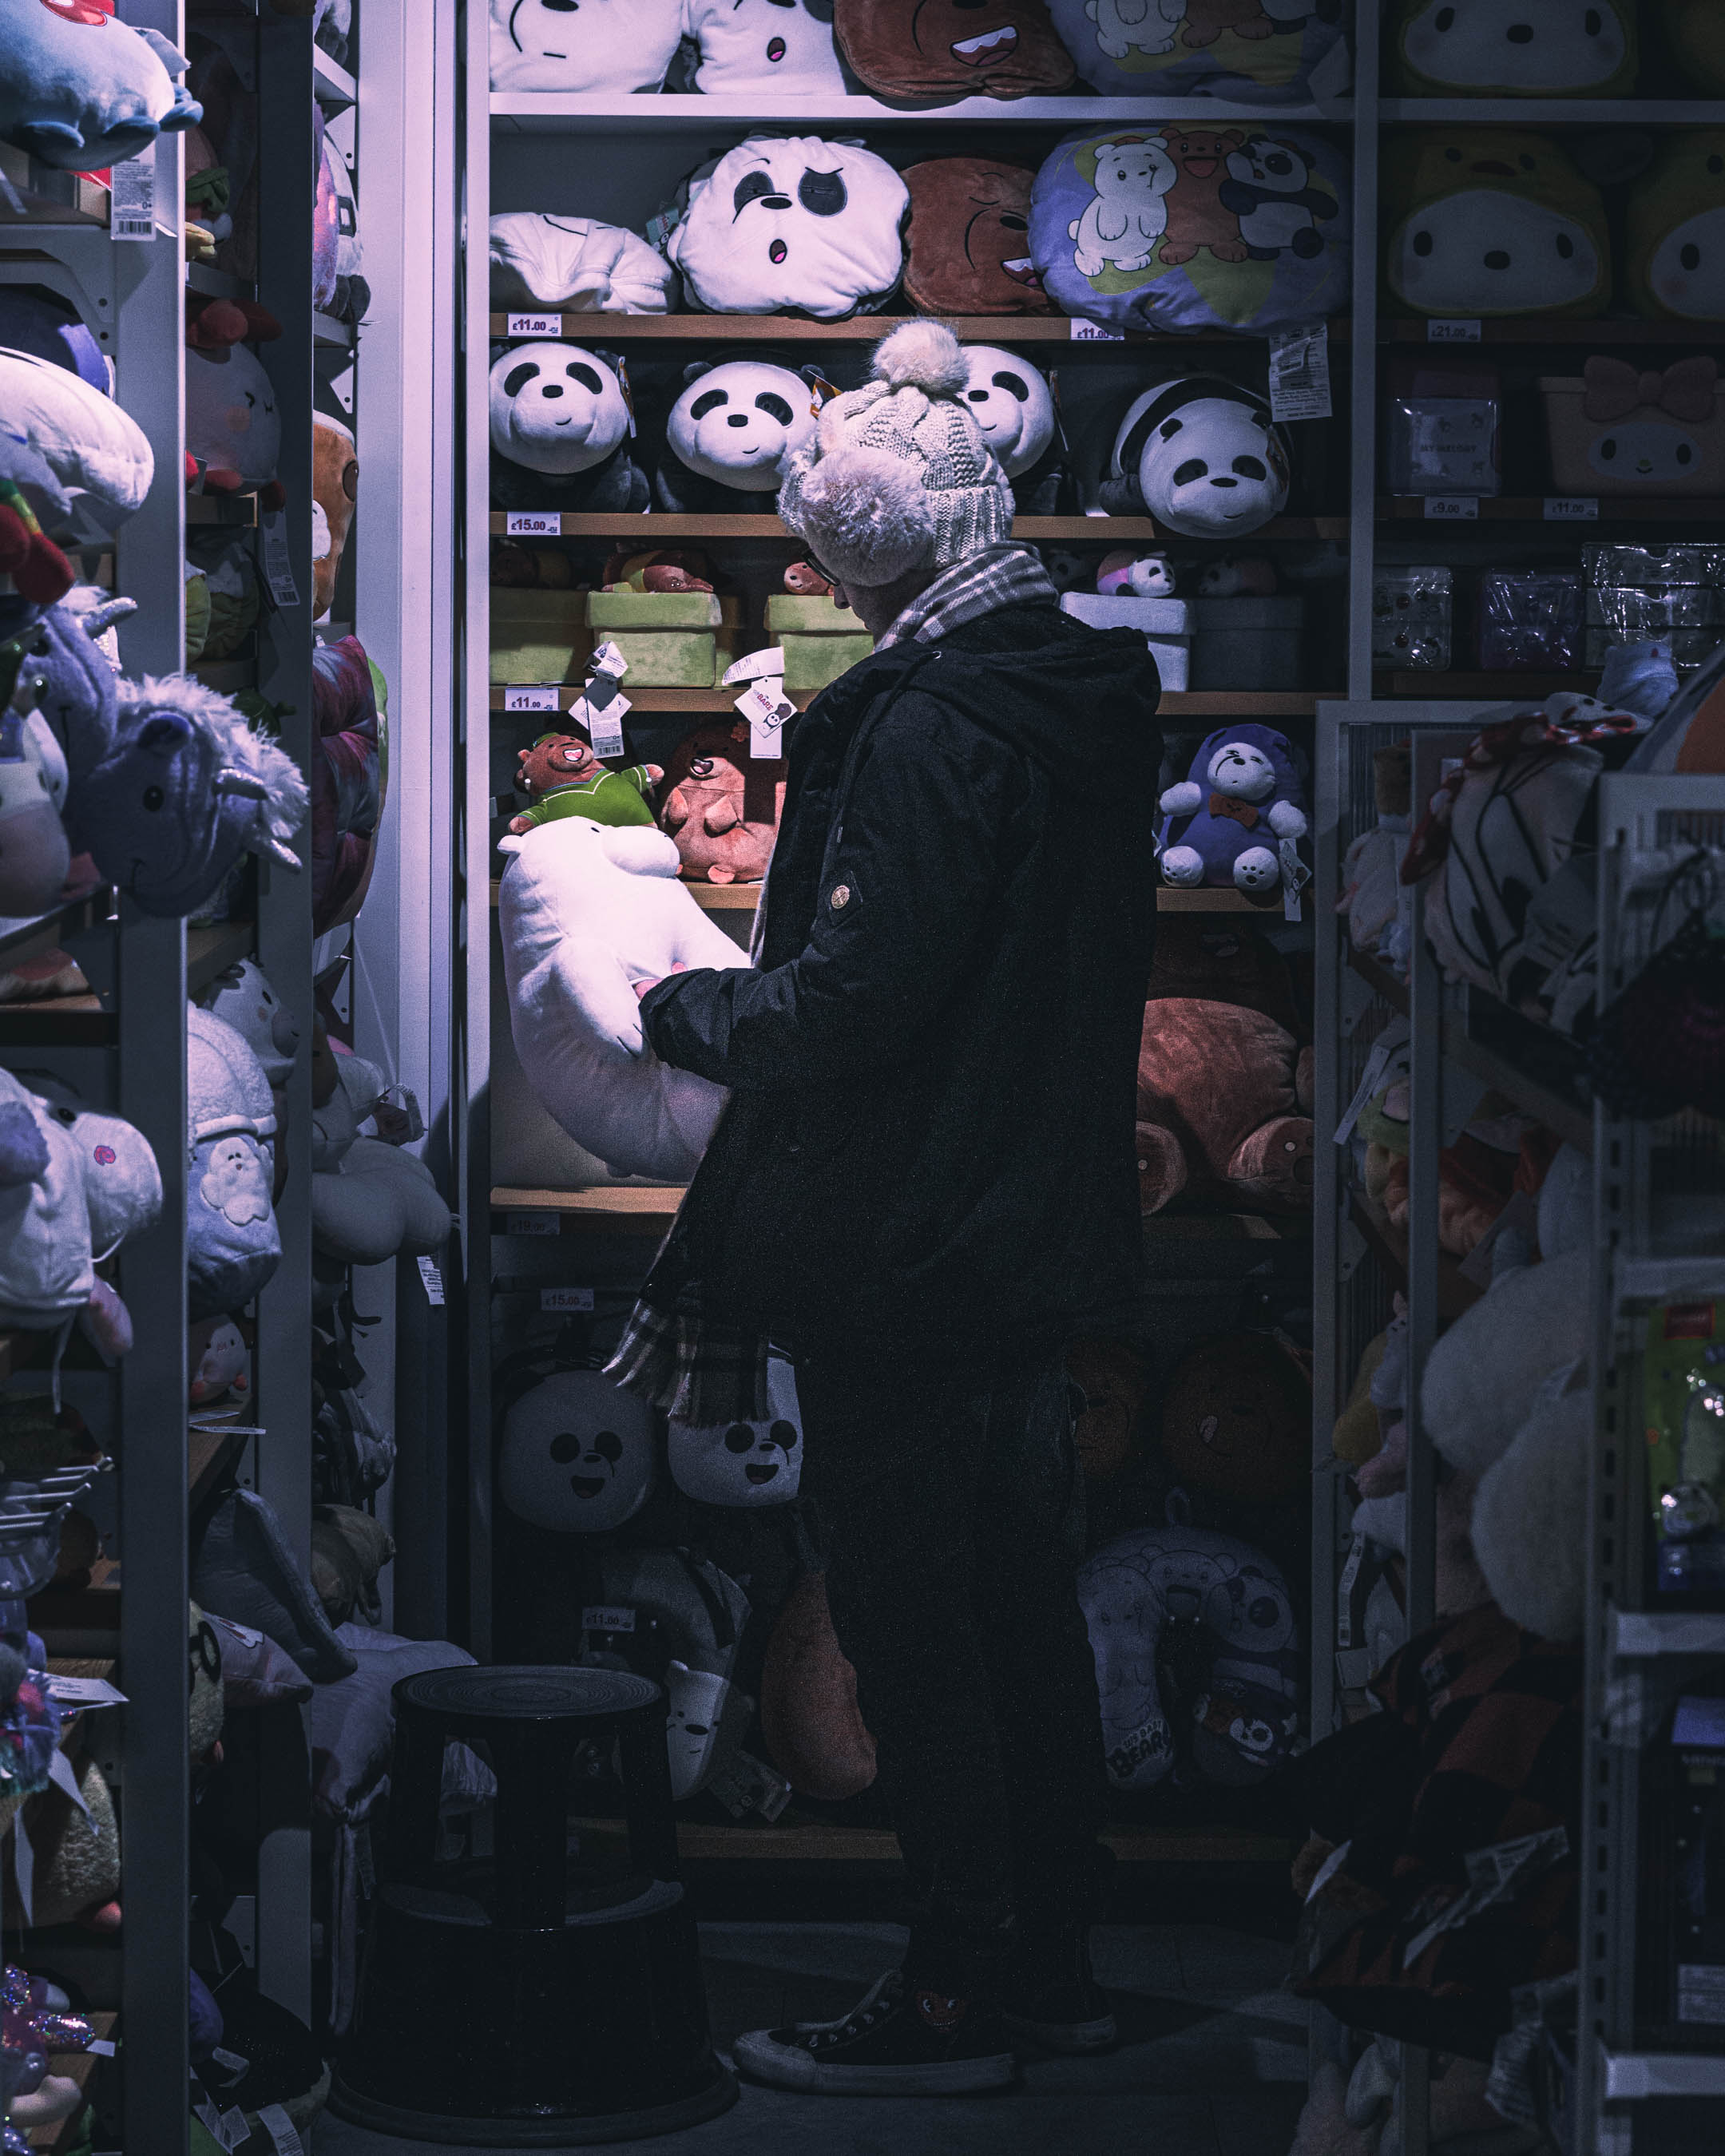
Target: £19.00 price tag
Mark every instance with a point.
(532, 523)
(1452, 508)
(1083, 332)
(530, 1223)
(546, 326)
(565, 1298)
(1572, 508)
(1452, 331)
(538, 698)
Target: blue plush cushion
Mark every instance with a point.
(1251, 51)
(1193, 228)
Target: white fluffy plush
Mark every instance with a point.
(555, 408)
(1010, 402)
(98, 453)
(764, 47)
(1530, 1519)
(1484, 1375)
(587, 910)
(583, 45)
(578, 264)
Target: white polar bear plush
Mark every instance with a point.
(1148, 26)
(578, 264)
(585, 912)
(781, 48)
(583, 45)
(1129, 214)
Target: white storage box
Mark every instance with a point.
(1164, 624)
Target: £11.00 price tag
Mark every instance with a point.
(565, 1298)
(535, 699)
(1572, 508)
(532, 523)
(1452, 508)
(1083, 332)
(1452, 331)
(545, 326)
(606, 1617)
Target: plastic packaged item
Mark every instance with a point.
(1412, 615)
(1634, 611)
(1689, 648)
(1609, 561)
(1613, 431)
(1247, 643)
(1442, 421)
(1165, 625)
(1530, 620)
(1683, 1400)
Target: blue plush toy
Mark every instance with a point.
(1237, 819)
(80, 90)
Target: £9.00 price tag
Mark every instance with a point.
(1083, 332)
(1452, 508)
(532, 523)
(565, 1298)
(1452, 331)
(1572, 508)
(535, 325)
(529, 699)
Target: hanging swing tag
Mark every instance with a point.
(768, 711)
(1295, 877)
(278, 560)
(629, 401)
(132, 198)
(1300, 372)
(603, 724)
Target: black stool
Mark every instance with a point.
(527, 1999)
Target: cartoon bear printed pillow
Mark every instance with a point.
(1676, 229)
(1250, 49)
(1533, 49)
(1173, 229)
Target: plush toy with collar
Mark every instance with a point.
(1538, 48)
(98, 453)
(1238, 818)
(80, 91)
(947, 48)
(585, 913)
(232, 1243)
(968, 246)
(1676, 229)
(578, 265)
(561, 425)
(722, 805)
(764, 47)
(564, 778)
(789, 224)
(600, 45)
(1013, 409)
(1201, 454)
(732, 433)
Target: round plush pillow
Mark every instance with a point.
(1533, 49)
(1250, 50)
(578, 264)
(617, 45)
(743, 1464)
(1010, 402)
(1159, 226)
(1237, 1418)
(790, 223)
(555, 408)
(1694, 30)
(764, 47)
(1486, 221)
(740, 423)
(1676, 229)
(1200, 455)
(42, 323)
(577, 1454)
(96, 451)
(969, 245)
(232, 422)
(1111, 1380)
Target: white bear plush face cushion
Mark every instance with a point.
(1204, 456)
(1010, 402)
(231, 418)
(96, 451)
(576, 1454)
(242, 997)
(555, 408)
(583, 45)
(741, 423)
(578, 264)
(774, 48)
(586, 910)
(1534, 48)
(791, 222)
(743, 1464)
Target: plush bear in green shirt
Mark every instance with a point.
(566, 778)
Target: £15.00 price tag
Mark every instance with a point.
(565, 1298)
(546, 326)
(532, 523)
(1083, 332)
(1452, 508)
(531, 699)
(1572, 508)
(1452, 331)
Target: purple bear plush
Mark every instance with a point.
(1237, 819)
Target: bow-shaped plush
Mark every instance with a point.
(1686, 390)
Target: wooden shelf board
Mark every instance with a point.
(1175, 703)
(211, 951)
(1454, 1294)
(725, 897)
(649, 525)
(858, 329)
(1536, 329)
(1430, 687)
(628, 1208)
(76, 2067)
(235, 509)
(822, 1841)
(558, 111)
(1530, 508)
(58, 1022)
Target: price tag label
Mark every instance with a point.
(1083, 332)
(131, 203)
(533, 524)
(529, 699)
(102, 2047)
(768, 711)
(606, 1617)
(530, 1223)
(279, 562)
(534, 326)
(1452, 331)
(604, 726)
(1452, 508)
(566, 1298)
(84, 1692)
(284, 2137)
(1300, 372)
(1572, 508)
(432, 1280)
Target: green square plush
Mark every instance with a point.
(538, 636)
(1484, 221)
(793, 614)
(626, 610)
(811, 662)
(1674, 228)
(1529, 49)
(667, 658)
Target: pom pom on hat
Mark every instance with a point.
(925, 356)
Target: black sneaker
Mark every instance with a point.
(904, 2038)
(1052, 1998)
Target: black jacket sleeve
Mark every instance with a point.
(918, 862)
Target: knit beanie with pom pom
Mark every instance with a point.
(898, 475)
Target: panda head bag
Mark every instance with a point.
(732, 433)
(561, 425)
(1201, 455)
(1013, 408)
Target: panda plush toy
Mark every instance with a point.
(1200, 455)
(731, 434)
(561, 426)
(1011, 405)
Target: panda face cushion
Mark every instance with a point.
(1676, 229)
(576, 1454)
(792, 223)
(1171, 229)
(1249, 50)
(952, 48)
(577, 264)
(583, 45)
(1010, 402)
(1202, 456)
(743, 1463)
(969, 244)
(1534, 48)
(556, 408)
(740, 423)
(1489, 221)
(779, 48)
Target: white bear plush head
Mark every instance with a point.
(578, 264)
(1010, 402)
(743, 1464)
(775, 48)
(577, 1454)
(583, 45)
(122, 1184)
(741, 423)
(555, 408)
(1242, 772)
(242, 997)
(792, 222)
(232, 422)
(1203, 454)
(1530, 47)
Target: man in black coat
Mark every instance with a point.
(924, 1183)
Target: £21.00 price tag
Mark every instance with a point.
(1572, 508)
(547, 326)
(539, 699)
(1452, 331)
(565, 1298)
(1083, 332)
(532, 523)
(1452, 508)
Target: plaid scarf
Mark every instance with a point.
(684, 1359)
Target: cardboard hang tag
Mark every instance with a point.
(1300, 372)
(603, 724)
(768, 711)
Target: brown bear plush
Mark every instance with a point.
(1237, 1418)
(722, 805)
(968, 248)
(946, 48)
(1224, 1087)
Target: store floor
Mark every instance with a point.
(1212, 2061)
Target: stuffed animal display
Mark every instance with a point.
(1536, 49)
(576, 263)
(585, 913)
(764, 48)
(232, 1242)
(927, 49)
(97, 454)
(1244, 1722)
(732, 433)
(813, 1728)
(563, 777)
(600, 45)
(789, 224)
(335, 488)
(370, 1200)
(560, 424)
(967, 251)
(722, 805)
(1238, 818)
(1236, 1419)
(1674, 232)
(1010, 402)
(576, 1453)
(80, 91)
(1181, 229)
(1484, 221)
(1200, 455)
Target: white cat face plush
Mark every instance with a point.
(1010, 402)
(555, 408)
(791, 222)
(776, 48)
(743, 1464)
(577, 1454)
(1205, 457)
(232, 423)
(741, 423)
(1486, 252)
(578, 264)
(580, 45)
(1535, 48)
